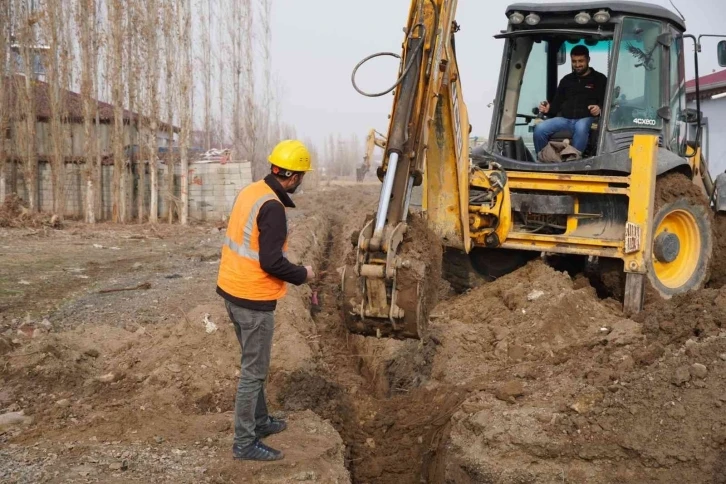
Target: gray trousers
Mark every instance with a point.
(254, 332)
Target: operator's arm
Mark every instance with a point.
(273, 232)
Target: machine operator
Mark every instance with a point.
(577, 103)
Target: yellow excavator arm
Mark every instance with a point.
(427, 138)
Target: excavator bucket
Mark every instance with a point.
(409, 322)
(389, 293)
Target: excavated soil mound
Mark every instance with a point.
(564, 388)
(533, 315)
(661, 423)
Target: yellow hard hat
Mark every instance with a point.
(291, 155)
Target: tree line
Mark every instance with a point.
(160, 68)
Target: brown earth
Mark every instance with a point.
(530, 378)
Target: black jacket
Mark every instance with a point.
(272, 224)
(575, 94)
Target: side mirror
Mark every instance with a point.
(722, 53)
(689, 116)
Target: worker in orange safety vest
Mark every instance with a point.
(253, 275)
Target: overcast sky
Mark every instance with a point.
(317, 43)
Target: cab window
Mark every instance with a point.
(637, 92)
(533, 90)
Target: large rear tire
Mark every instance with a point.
(682, 237)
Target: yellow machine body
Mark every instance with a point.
(479, 205)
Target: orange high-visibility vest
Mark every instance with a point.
(240, 273)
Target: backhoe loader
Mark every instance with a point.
(373, 139)
(641, 193)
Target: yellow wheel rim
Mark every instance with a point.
(683, 225)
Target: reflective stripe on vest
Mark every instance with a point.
(244, 249)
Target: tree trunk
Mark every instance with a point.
(170, 52)
(133, 76)
(30, 172)
(4, 33)
(265, 114)
(117, 93)
(26, 32)
(150, 34)
(56, 60)
(97, 171)
(185, 108)
(236, 31)
(85, 17)
(207, 69)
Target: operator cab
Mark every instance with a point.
(639, 47)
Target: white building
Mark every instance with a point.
(713, 107)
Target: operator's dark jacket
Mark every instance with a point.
(272, 224)
(575, 94)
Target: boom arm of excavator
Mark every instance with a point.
(427, 144)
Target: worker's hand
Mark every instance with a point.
(594, 110)
(544, 107)
(311, 273)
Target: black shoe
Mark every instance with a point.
(256, 451)
(273, 426)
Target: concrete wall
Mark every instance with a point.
(212, 188)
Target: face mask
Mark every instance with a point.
(292, 189)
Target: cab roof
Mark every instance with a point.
(640, 9)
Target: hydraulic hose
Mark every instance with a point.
(390, 54)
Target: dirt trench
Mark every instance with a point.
(373, 391)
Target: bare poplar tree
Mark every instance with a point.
(152, 80)
(169, 23)
(26, 21)
(4, 89)
(235, 34)
(266, 113)
(86, 21)
(206, 68)
(116, 20)
(57, 62)
(251, 128)
(185, 104)
(132, 75)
